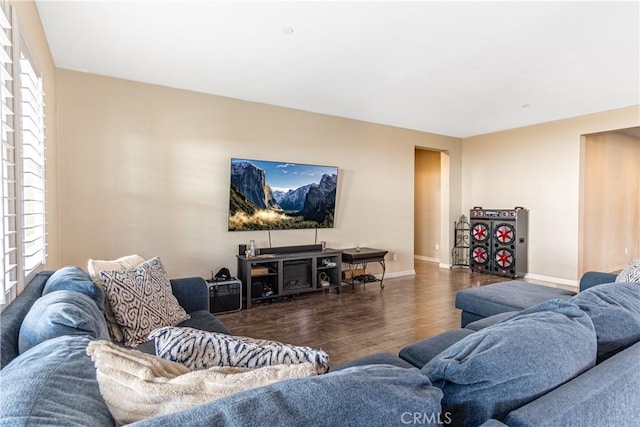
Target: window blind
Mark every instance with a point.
(8, 264)
(32, 145)
(22, 172)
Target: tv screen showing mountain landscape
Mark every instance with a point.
(267, 195)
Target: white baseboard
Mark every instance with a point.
(443, 265)
(397, 274)
(550, 279)
(437, 260)
(424, 258)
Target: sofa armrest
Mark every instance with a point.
(192, 293)
(13, 315)
(593, 278)
(606, 394)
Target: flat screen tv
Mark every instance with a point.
(267, 195)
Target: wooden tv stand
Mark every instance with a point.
(272, 275)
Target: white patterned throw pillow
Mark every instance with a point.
(631, 272)
(142, 300)
(198, 349)
(94, 267)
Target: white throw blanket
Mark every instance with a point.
(137, 385)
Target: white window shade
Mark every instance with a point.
(32, 146)
(8, 231)
(22, 172)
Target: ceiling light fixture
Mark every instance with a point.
(287, 30)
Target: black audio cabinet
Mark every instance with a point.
(225, 296)
(499, 240)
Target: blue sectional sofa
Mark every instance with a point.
(561, 362)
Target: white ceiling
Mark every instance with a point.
(453, 68)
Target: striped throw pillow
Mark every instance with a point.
(198, 349)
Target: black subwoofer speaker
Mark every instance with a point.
(499, 241)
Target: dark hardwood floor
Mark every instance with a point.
(366, 320)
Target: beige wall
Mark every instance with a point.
(32, 29)
(538, 167)
(427, 205)
(611, 205)
(145, 169)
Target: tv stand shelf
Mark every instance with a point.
(272, 275)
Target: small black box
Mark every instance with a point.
(225, 296)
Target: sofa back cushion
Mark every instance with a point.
(614, 309)
(594, 278)
(61, 313)
(72, 278)
(370, 395)
(54, 383)
(504, 366)
(605, 395)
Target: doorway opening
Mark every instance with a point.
(431, 206)
(609, 200)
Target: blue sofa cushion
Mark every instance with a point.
(205, 321)
(372, 395)
(594, 278)
(504, 366)
(191, 292)
(53, 384)
(72, 278)
(61, 313)
(614, 309)
(419, 353)
(605, 395)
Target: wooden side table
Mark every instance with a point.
(362, 256)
